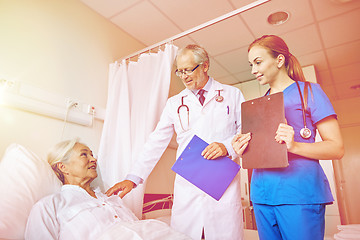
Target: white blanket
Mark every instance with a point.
(142, 230)
(348, 232)
(74, 214)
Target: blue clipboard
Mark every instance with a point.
(211, 176)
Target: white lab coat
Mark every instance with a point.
(215, 121)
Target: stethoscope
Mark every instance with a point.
(304, 132)
(188, 112)
(218, 98)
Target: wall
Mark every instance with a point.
(63, 47)
(347, 169)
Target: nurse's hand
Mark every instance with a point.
(214, 150)
(285, 134)
(125, 187)
(240, 142)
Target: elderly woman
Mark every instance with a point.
(79, 212)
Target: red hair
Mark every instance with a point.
(276, 45)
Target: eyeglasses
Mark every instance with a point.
(186, 71)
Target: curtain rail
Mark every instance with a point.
(199, 27)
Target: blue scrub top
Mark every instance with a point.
(303, 181)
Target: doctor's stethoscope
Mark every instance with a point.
(218, 98)
(304, 132)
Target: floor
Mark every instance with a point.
(250, 234)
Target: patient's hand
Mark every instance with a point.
(125, 187)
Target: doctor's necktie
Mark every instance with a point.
(201, 96)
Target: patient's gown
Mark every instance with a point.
(74, 214)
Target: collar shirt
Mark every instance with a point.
(206, 88)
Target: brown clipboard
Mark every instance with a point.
(261, 117)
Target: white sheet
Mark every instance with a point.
(142, 230)
(74, 214)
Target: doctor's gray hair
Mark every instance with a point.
(61, 152)
(200, 54)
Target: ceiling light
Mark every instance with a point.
(341, 1)
(278, 18)
(355, 87)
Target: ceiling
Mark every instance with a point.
(323, 33)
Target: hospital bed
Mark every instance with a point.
(158, 206)
(25, 178)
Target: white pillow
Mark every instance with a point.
(24, 179)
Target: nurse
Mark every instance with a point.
(289, 203)
(210, 110)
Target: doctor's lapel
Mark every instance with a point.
(213, 92)
(193, 98)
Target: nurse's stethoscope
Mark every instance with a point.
(304, 132)
(218, 98)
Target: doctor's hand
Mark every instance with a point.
(125, 187)
(285, 134)
(214, 150)
(240, 142)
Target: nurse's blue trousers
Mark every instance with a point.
(290, 222)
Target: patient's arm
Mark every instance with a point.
(42, 223)
(125, 187)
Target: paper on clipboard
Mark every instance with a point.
(261, 117)
(211, 176)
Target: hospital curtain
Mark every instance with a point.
(137, 94)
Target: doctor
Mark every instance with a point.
(210, 110)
